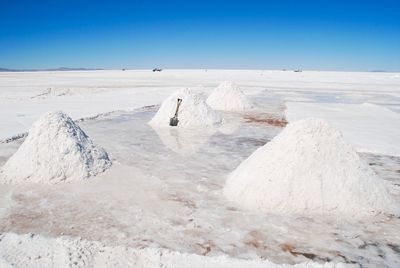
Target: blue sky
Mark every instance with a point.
(324, 35)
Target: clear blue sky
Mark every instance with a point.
(326, 35)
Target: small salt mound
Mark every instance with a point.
(55, 150)
(308, 169)
(228, 97)
(193, 111)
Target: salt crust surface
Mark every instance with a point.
(36, 251)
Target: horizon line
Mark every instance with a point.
(67, 69)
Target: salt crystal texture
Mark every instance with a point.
(228, 97)
(193, 111)
(55, 150)
(309, 169)
(29, 250)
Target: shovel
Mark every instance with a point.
(174, 120)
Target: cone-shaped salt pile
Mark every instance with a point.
(193, 111)
(228, 97)
(308, 169)
(55, 150)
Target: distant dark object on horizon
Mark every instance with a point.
(378, 71)
(157, 70)
(298, 71)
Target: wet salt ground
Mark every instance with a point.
(164, 190)
(390, 100)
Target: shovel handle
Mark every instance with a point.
(177, 106)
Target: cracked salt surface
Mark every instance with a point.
(161, 195)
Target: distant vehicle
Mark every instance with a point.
(157, 70)
(298, 71)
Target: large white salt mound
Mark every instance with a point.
(193, 111)
(55, 150)
(309, 169)
(228, 97)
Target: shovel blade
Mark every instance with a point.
(173, 122)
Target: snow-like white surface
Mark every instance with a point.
(368, 127)
(309, 169)
(193, 111)
(36, 251)
(181, 174)
(228, 97)
(55, 150)
(25, 96)
(180, 205)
